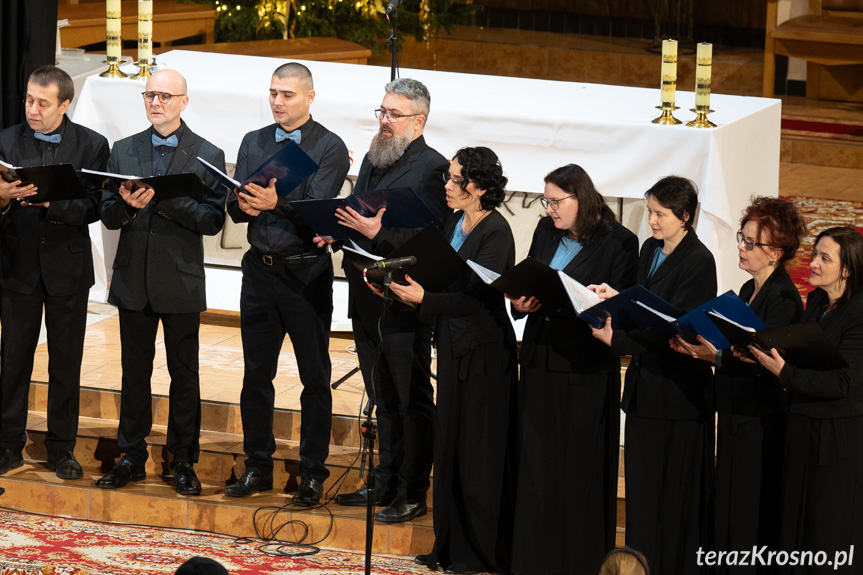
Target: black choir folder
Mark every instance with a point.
(528, 278)
(804, 345)
(54, 183)
(405, 209)
(436, 268)
(166, 187)
(290, 166)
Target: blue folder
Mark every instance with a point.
(627, 314)
(729, 305)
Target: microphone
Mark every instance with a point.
(392, 6)
(393, 264)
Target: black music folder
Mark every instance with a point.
(528, 278)
(290, 166)
(634, 308)
(437, 266)
(54, 183)
(405, 209)
(166, 187)
(802, 344)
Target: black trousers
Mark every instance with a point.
(405, 403)
(65, 320)
(138, 340)
(298, 301)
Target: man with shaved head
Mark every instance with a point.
(287, 288)
(159, 277)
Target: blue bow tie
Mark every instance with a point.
(53, 138)
(170, 141)
(282, 135)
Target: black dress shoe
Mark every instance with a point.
(309, 492)
(123, 472)
(10, 460)
(65, 465)
(401, 510)
(360, 497)
(185, 480)
(422, 559)
(250, 482)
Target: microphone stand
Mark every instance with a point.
(393, 43)
(369, 432)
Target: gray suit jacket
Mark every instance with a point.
(160, 258)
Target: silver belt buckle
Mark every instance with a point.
(268, 259)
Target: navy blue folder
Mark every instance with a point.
(290, 166)
(405, 209)
(627, 314)
(729, 305)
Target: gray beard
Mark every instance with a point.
(384, 152)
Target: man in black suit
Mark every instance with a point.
(287, 288)
(46, 261)
(398, 157)
(159, 276)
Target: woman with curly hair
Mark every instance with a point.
(476, 351)
(751, 407)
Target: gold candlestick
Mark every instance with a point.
(113, 40)
(703, 67)
(145, 39)
(668, 84)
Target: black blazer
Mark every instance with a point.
(565, 343)
(52, 243)
(474, 312)
(420, 168)
(160, 258)
(749, 389)
(661, 383)
(838, 392)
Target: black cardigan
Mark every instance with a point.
(611, 258)
(661, 383)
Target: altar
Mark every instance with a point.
(533, 125)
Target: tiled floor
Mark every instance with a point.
(221, 364)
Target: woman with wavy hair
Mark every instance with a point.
(476, 360)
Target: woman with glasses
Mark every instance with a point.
(822, 489)
(751, 407)
(569, 397)
(476, 354)
(669, 416)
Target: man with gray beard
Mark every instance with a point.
(398, 157)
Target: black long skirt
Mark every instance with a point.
(474, 460)
(748, 486)
(668, 468)
(569, 441)
(822, 496)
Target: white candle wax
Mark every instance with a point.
(145, 29)
(113, 27)
(703, 68)
(669, 71)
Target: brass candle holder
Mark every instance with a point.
(667, 118)
(113, 70)
(144, 66)
(701, 120)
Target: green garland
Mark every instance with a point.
(360, 21)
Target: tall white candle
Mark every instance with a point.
(145, 30)
(669, 72)
(113, 26)
(703, 68)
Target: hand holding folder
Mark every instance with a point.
(52, 183)
(164, 187)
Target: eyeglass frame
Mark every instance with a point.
(749, 244)
(392, 117)
(459, 181)
(160, 95)
(555, 204)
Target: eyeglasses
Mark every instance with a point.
(457, 180)
(749, 244)
(553, 203)
(164, 97)
(392, 117)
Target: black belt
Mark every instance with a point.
(304, 259)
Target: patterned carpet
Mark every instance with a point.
(33, 544)
(820, 214)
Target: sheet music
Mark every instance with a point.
(360, 251)
(731, 321)
(485, 274)
(581, 297)
(667, 318)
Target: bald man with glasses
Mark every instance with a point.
(159, 277)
